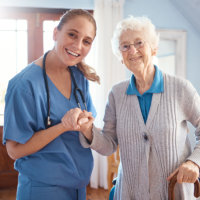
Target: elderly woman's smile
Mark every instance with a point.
(135, 58)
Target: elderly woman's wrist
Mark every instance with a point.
(88, 134)
(192, 162)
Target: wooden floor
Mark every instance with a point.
(97, 194)
(92, 194)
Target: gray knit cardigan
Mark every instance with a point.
(150, 152)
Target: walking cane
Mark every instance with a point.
(172, 184)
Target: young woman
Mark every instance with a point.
(42, 103)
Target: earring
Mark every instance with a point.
(122, 62)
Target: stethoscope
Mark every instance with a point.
(76, 90)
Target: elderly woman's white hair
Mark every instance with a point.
(143, 24)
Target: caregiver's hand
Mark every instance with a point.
(70, 120)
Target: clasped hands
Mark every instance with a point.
(78, 120)
(188, 172)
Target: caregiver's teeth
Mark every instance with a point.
(72, 53)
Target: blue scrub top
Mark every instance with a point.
(63, 162)
(145, 99)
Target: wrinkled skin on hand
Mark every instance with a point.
(86, 123)
(188, 172)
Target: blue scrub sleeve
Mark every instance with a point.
(90, 105)
(19, 115)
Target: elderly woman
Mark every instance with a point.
(147, 117)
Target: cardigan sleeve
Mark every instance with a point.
(104, 141)
(192, 107)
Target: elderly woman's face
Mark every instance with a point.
(136, 50)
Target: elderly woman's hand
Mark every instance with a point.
(85, 122)
(188, 172)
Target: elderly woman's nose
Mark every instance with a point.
(132, 49)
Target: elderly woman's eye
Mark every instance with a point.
(125, 47)
(139, 44)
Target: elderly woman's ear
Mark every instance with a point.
(154, 51)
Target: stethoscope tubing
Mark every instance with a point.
(48, 121)
(76, 89)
